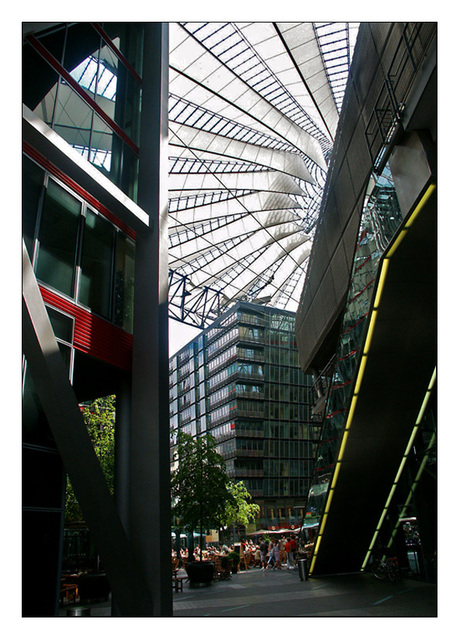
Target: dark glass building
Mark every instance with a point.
(367, 319)
(93, 115)
(241, 382)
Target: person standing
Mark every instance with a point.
(292, 551)
(283, 550)
(263, 553)
(287, 548)
(276, 555)
(271, 556)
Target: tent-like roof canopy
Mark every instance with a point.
(253, 110)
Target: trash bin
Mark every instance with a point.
(79, 611)
(303, 570)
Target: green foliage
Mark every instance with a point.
(241, 510)
(99, 417)
(199, 485)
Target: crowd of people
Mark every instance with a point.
(265, 553)
(274, 554)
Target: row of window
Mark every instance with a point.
(222, 358)
(285, 341)
(280, 322)
(258, 409)
(272, 450)
(288, 468)
(282, 356)
(273, 487)
(229, 336)
(269, 429)
(281, 365)
(286, 393)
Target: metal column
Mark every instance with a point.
(150, 508)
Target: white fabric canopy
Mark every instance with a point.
(253, 111)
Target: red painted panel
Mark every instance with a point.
(92, 334)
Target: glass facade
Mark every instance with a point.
(240, 381)
(77, 251)
(84, 81)
(381, 219)
(58, 235)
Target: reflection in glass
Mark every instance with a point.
(73, 118)
(58, 239)
(96, 265)
(124, 283)
(380, 220)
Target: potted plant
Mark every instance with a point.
(234, 558)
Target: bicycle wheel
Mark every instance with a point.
(379, 569)
(393, 573)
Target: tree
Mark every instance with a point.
(99, 417)
(199, 484)
(242, 510)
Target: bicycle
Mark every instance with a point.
(386, 568)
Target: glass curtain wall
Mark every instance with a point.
(90, 77)
(241, 382)
(77, 251)
(381, 219)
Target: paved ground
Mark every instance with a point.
(256, 593)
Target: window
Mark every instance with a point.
(63, 327)
(124, 283)
(58, 239)
(96, 265)
(32, 184)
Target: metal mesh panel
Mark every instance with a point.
(321, 256)
(358, 158)
(332, 226)
(380, 33)
(344, 192)
(350, 233)
(364, 67)
(341, 269)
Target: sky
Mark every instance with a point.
(179, 335)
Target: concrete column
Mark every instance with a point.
(150, 506)
(122, 449)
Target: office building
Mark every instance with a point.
(240, 381)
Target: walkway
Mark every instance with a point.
(271, 593)
(257, 593)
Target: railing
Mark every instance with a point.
(322, 381)
(402, 70)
